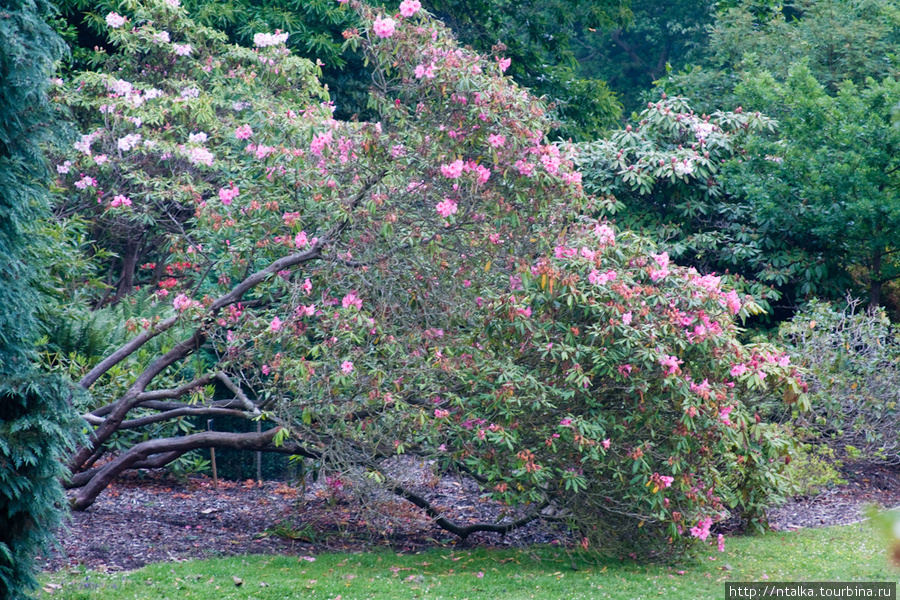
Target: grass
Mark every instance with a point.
(845, 554)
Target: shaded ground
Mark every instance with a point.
(154, 518)
(142, 520)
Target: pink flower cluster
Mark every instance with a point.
(226, 195)
(410, 7)
(447, 207)
(605, 234)
(352, 299)
(183, 303)
(597, 278)
(243, 132)
(423, 71)
(670, 364)
(120, 200)
(701, 531)
(384, 27)
(453, 170)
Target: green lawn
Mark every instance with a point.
(851, 553)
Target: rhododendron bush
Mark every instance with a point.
(609, 386)
(340, 281)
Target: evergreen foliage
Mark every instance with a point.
(28, 48)
(37, 426)
(36, 422)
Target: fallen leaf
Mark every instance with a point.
(238, 582)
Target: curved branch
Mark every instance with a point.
(175, 447)
(188, 411)
(125, 351)
(464, 531)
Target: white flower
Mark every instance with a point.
(269, 39)
(197, 138)
(129, 141)
(115, 20)
(190, 93)
(161, 37)
(119, 86)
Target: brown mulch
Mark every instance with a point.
(154, 518)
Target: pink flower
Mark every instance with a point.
(440, 414)
(701, 531)
(115, 20)
(701, 389)
(347, 367)
(307, 311)
(275, 325)
(524, 167)
(504, 63)
(605, 443)
(626, 318)
(666, 481)
(352, 299)
(319, 142)
(658, 274)
(605, 234)
(453, 170)
(410, 7)
(661, 259)
(226, 195)
(721, 543)
(723, 414)
(301, 240)
(85, 182)
(738, 370)
(565, 423)
(161, 37)
(496, 140)
(670, 364)
(182, 49)
(306, 287)
(733, 302)
(120, 200)
(384, 28)
(182, 302)
(243, 132)
(265, 370)
(447, 207)
(625, 370)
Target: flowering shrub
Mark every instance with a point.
(340, 282)
(608, 384)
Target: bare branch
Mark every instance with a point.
(174, 447)
(467, 530)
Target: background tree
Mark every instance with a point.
(631, 56)
(36, 422)
(535, 36)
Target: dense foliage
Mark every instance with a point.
(608, 385)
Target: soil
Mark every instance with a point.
(153, 518)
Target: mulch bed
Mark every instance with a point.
(153, 518)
